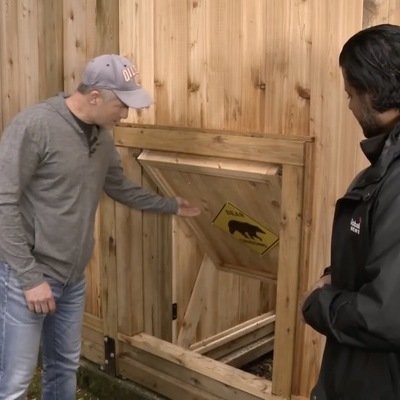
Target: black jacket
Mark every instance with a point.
(360, 312)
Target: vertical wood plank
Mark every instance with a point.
(197, 303)
(197, 64)
(186, 262)
(253, 60)
(75, 42)
(157, 276)
(93, 299)
(106, 24)
(108, 267)
(28, 62)
(50, 34)
(380, 12)
(137, 44)
(337, 157)
(288, 276)
(10, 102)
(224, 46)
(129, 239)
(90, 27)
(288, 73)
(171, 61)
(25, 76)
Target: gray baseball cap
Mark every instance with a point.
(118, 74)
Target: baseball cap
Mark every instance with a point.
(117, 73)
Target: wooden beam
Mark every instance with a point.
(238, 336)
(93, 339)
(266, 148)
(161, 382)
(214, 166)
(202, 372)
(249, 353)
(288, 277)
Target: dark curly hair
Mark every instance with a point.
(371, 62)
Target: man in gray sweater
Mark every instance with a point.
(56, 158)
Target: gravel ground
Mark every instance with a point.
(261, 367)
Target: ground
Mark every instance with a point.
(261, 367)
(34, 390)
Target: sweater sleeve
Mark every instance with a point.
(127, 192)
(369, 317)
(19, 158)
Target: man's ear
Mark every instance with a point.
(94, 97)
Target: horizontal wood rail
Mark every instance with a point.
(255, 147)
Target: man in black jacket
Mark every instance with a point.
(356, 304)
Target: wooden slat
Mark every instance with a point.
(255, 74)
(196, 306)
(197, 65)
(337, 158)
(92, 346)
(241, 344)
(204, 373)
(157, 271)
(250, 352)
(160, 382)
(224, 79)
(222, 144)
(76, 42)
(129, 237)
(10, 102)
(304, 357)
(108, 267)
(93, 339)
(93, 322)
(106, 27)
(380, 11)
(170, 62)
(288, 79)
(235, 169)
(93, 276)
(288, 275)
(243, 329)
(240, 270)
(187, 259)
(50, 37)
(90, 28)
(28, 63)
(136, 42)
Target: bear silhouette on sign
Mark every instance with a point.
(247, 230)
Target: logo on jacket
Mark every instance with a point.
(355, 225)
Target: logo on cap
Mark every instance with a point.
(130, 73)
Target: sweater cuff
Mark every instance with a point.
(30, 279)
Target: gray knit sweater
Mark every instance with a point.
(50, 185)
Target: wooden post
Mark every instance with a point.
(288, 277)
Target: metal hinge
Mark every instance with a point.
(109, 356)
(174, 311)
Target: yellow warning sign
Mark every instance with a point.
(245, 229)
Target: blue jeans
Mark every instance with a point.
(22, 331)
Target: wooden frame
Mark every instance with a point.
(147, 359)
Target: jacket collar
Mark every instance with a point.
(380, 150)
(372, 147)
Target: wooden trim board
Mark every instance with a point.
(268, 148)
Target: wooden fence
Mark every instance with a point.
(258, 66)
